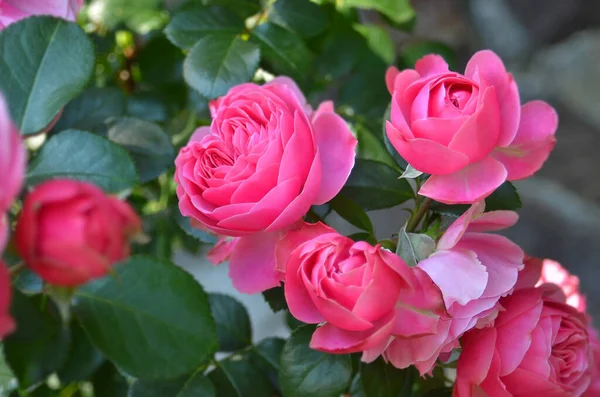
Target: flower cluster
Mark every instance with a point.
(252, 175)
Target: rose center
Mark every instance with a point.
(459, 94)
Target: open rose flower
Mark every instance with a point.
(363, 293)
(473, 271)
(264, 160)
(468, 131)
(538, 346)
(70, 231)
(14, 10)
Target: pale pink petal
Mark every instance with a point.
(533, 143)
(479, 134)
(458, 273)
(292, 86)
(491, 68)
(324, 107)
(222, 250)
(494, 220)
(426, 156)
(430, 65)
(200, 133)
(457, 229)
(390, 78)
(295, 237)
(473, 183)
(252, 263)
(337, 148)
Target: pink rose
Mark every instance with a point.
(362, 293)
(14, 10)
(13, 159)
(594, 389)
(468, 131)
(537, 346)
(69, 231)
(7, 324)
(473, 271)
(554, 273)
(265, 159)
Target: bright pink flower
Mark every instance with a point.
(468, 131)
(265, 159)
(14, 10)
(473, 271)
(7, 324)
(594, 389)
(537, 346)
(70, 231)
(362, 293)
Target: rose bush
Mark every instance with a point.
(468, 131)
(70, 232)
(264, 160)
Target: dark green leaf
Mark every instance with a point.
(7, 377)
(292, 322)
(160, 62)
(399, 11)
(284, 50)
(44, 63)
(82, 359)
(275, 298)
(351, 212)
(84, 156)
(363, 236)
(193, 385)
(381, 379)
(237, 376)
(356, 388)
(146, 315)
(147, 106)
(371, 147)
(194, 21)
(218, 62)
(441, 392)
(243, 8)
(365, 93)
(148, 145)
(108, 382)
(184, 223)
(91, 110)
(413, 52)
(379, 41)
(266, 356)
(341, 51)
(302, 16)
(234, 330)
(40, 343)
(505, 197)
(374, 185)
(305, 372)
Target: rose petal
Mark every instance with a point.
(296, 237)
(390, 78)
(252, 263)
(493, 220)
(324, 107)
(200, 133)
(473, 183)
(457, 229)
(430, 65)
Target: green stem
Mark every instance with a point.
(418, 215)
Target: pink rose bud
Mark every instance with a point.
(365, 295)
(70, 231)
(14, 10)
(537, 346)
(468, 131)
(264, 160)
(473, 271)
(7, 324)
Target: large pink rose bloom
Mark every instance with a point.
(362, 293)
(13, 158)
(473, 271)
(538, 345)
(468, 131)
(14, 10)
(265, 159)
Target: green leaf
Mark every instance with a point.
(305, 372)
(275, 298)
(139, 15)
(351, 212)
(341, 51)
(148, 145)
(147, 106)
(371, 147)
(411, 53)
(414, 247)
(234, 330)
(381, 379)
(363, 236)
(284, 50)
(7, 377)
(108, 382)
(243, 8)
(160, 62)
(505, 197)
(184, 224)
(82, 359)
(365, 93)
(411, 173)
(374, 185)
(379, 41)
(91, 110)
(192, 385)
(399, 11)
(356, 387)
(84, 156)
(301, 16)
(147, 314)
(265, 356)
(218, 62)
(237, 377)
(194, 22)
(44, 63)
(40, 343)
